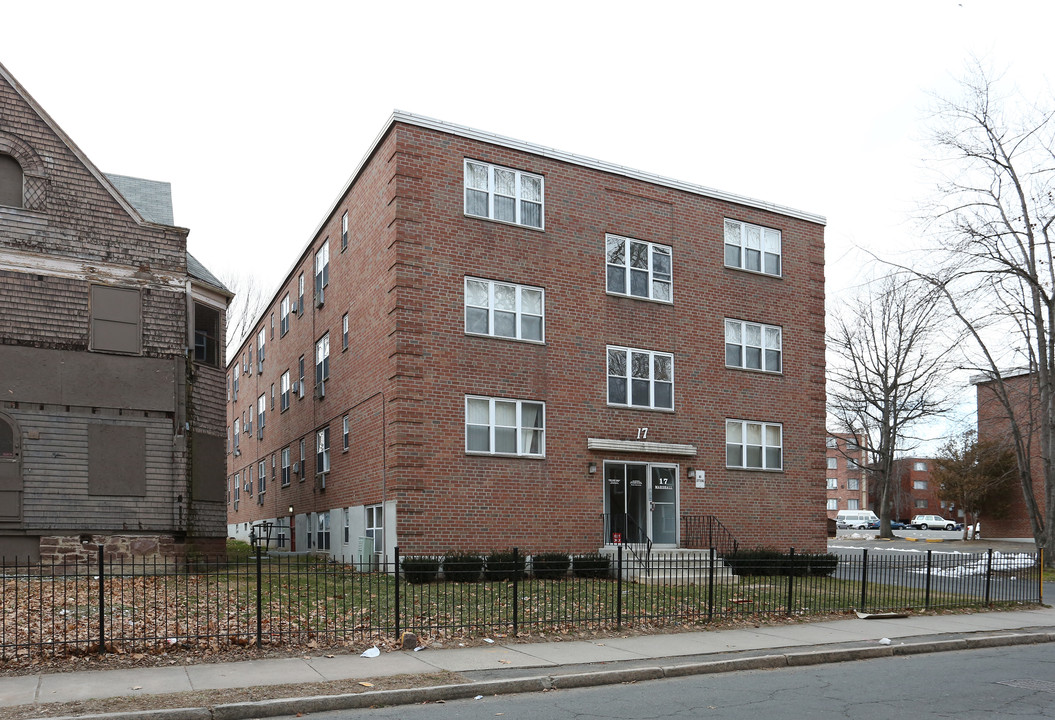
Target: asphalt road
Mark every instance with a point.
(1017, 681)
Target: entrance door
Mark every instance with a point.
(640, 502)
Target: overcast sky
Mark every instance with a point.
(257, 113)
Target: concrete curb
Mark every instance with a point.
(407, 696)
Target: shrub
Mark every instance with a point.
(550, 566)
(592, 566)
(462, 567)
(420, 569)
(772, 562)
(502, 566)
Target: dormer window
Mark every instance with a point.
(11, 182)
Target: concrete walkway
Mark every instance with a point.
(524, 667)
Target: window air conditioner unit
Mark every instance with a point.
(260, 366)
(296, 468)
(320, 390)
(293, 307)
(320, 481)
(260, 432)
(260, 499)
(295, 388)
(320, 299)
(237, 452)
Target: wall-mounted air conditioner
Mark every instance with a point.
(320, 481)
(320, 390)
(295, 387)
(296, 468)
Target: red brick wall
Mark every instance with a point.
(402, 283)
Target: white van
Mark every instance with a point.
(859, 519)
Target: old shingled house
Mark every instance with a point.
(111, 357)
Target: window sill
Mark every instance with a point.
(503, 337)
(641, 408)
(506, 222)
(759, 371)
(754, 272)
(669, 303)
(515, 456)
(749, 469)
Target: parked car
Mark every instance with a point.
(937, 522)
(894, 525)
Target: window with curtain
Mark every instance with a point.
(753, 445)
(752, 247)
(503, 194)
(640, 378)
(753, 346)
(504, 310)
(498, 426)
(638, 268)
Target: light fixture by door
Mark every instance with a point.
(691, 473)
(591, 468)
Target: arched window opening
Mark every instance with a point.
(10, 182)
(7, 440)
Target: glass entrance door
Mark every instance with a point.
(640, 502)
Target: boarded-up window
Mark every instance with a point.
(117, 460)
(208, 467)
(10, 182)
(115, 319)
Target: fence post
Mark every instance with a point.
(791, 577)
(395, 558)
(710, 587)
(618, 587)
(988, 573)
(516, 585)
(102, 604)
(864, 578)
(1040, 576)
(259, 602)
(926, 596)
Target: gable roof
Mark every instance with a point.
(199, 272)
(68, 142)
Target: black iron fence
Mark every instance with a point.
(125, 606)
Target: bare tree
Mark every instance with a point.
(975, 475)
(994, 219)
(245, 308)
(888, 376)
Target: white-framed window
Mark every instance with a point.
(504, 310)
(322, 450)
(237, 490)
(833, 504)
(753, 445)
(499, 426)
(919, 484)
(853, 504)
(300, 294)
(638, 268)
(249, 484)
(234, 437)
(285, 466)
(272, 396)
(234, 384)
(833, 463)
(322, 536)
(300, 367)
(640, 378)
(833, 483)
(345, 433)
(260, 338)
(853, 483)
(322, 359)
(283, 315)
(344, 231)
(504, 194)
(261, 475)
(284, 396)
(375, 526)
(272, 325)
(249, 364)
(261, 408)
(753, 346)
(831, 442)
(344, 332)
(920, 466)
(920, 503)
(752, 247)
(347, 525)
(303, 470)
(322, 271)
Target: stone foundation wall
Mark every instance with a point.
(84, 549)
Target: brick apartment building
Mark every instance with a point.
(111, 369)
(993, 425)
(488, 343)
(846, 480)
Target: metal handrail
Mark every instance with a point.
(707, 531)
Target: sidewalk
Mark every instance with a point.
(496, 669)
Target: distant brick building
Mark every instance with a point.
(917, 493)
(993, 425)
(487, 343)
(111, 365)
(846, 480)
